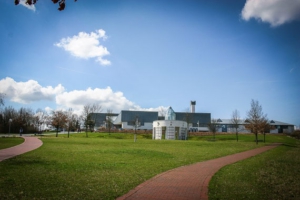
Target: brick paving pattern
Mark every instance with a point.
(29, 144)
(187, 182)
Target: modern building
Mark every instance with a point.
(226, 125)
(175, 125)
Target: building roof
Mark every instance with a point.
(243, 121)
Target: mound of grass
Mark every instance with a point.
(272, 175)
(6, 142)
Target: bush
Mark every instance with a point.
(296, 134)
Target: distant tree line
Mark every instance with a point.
(29, 121)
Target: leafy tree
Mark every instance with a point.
(256, 119)
(235, 120)
(213, 126)
(61, 3)
(58, 120)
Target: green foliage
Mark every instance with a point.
(272, 175)
(6, 142)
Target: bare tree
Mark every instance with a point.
(72, 119)
(213, 126)
(88, 119)
(9, 114)
(256, 119)
(40, 118)
(162, 112)
(235, 120)
(189, 119)
(58, 120)
(1, 99)
(109, 120)
(135, 124)
(61, 3)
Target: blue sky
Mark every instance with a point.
(150, 54)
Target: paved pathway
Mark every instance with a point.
(29, 144)
(187, 182)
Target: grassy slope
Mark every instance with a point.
(103, 166)
(7, 142)
(272, 175)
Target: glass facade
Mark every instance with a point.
(170, 115)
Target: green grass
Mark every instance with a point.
(105, 166)
(272, 175)
(6, 142)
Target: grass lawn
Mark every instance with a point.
(272, 175)
(7, 142)
(105, 166)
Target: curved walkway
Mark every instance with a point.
(187, 182)
(29, 144)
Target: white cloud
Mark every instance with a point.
(275, 12)
(31, 92)
(85, 45)
(107, 98)
(27, 92)
(23, 3)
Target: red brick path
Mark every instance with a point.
(29, 144)
(187, 182)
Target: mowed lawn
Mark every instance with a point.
(6, 142)
(105, 166)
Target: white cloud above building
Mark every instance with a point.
(86, 46)
(29, 91)
(275, 12)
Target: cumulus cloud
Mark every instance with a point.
(28, 92)
(86, 45)
(32, 92)
(23, 3)
(107, 98)
(275, 12)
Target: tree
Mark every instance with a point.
(1, 99)
(8, 114)
(256, 119)
(213, 126)
(88, 119)
(24, 119)
(58, 120)
(72, 119)
(235, 120)
(109, 120)
(61, 3)
(188, 117)
(136, 124)
(40, 119)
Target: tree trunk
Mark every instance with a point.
(237, 137)
(256, 139)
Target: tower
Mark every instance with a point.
(192, 106)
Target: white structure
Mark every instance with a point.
(192, 106)
(170, 128)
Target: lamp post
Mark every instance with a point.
(9, 122)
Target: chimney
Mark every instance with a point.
(192, 107)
